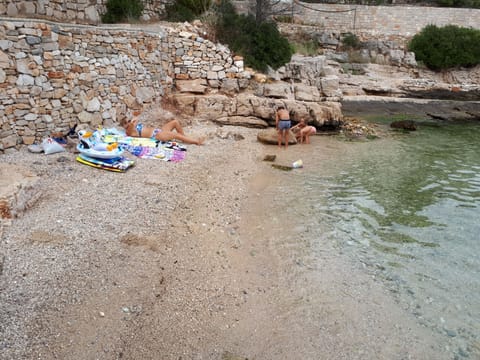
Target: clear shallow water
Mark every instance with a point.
(408, 209)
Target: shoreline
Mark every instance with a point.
(180, 259)
(358, 106)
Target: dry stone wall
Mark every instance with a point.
(380, 22)
(71, 11)
(366, 21)
(53, 76)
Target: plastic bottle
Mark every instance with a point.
(297, 164)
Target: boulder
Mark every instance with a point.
(306, 93)
(270, 136)
(197, 86)
(278, 90)
(246, 121)
(18, 190)
(404, 124)
(253, 110)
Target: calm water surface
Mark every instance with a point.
(407, 208)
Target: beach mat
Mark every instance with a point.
(147, 148)
(164, 152)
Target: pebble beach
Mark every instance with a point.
(168, 261)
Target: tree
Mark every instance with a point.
(264, 10)
(259, 42)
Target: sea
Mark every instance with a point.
(406, 205)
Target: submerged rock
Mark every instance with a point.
(404, 124)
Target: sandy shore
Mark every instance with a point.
(173, 261)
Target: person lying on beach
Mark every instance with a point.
(172, 130)
(303, 131)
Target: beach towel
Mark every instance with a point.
(148, 148)
(162, 152)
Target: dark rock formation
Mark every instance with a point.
(404, 125)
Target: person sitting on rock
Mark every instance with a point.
(172, 130)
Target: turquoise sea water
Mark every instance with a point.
(407, 206)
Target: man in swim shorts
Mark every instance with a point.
(282, 123)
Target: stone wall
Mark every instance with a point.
(382, 22)
(55, 75)
(370, 22)
(365, 21)
(71, 11)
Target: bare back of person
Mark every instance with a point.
(283, 115)
(168, 132)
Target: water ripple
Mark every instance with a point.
(409, 208)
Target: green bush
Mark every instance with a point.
(459, 3)
(122, 10)
(260, 44)
(446, 47)
(351, 41)
(288, 19)
(186, 10)
(178, 13)
(307, 48)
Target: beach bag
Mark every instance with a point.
(50, 146)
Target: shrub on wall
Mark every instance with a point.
(261, 44)
(459, 3)
(307, 48)
(446, 47)
(122, 10)
(186, 10)
(351, 41)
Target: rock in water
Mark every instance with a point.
(404, 124)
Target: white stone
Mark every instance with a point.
(144, 95)
(20, 55)
(5, 44)
(106, 115)
(107, 104)
(12, 10)
(57, 104)
(212, 75)
(239, 64)
(4, 60)
(91, 14)
(185, 34)
(217, 68)
(93, 105)
(47, 119)
(25, 80)
(38, 60)
(31, 117)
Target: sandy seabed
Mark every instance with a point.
(172, 261)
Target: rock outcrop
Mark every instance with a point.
(18, 191)
(404, 125)
(256, 107)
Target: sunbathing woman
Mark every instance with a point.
(166, 133)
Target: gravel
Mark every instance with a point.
(99, 246)
(179, 261)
